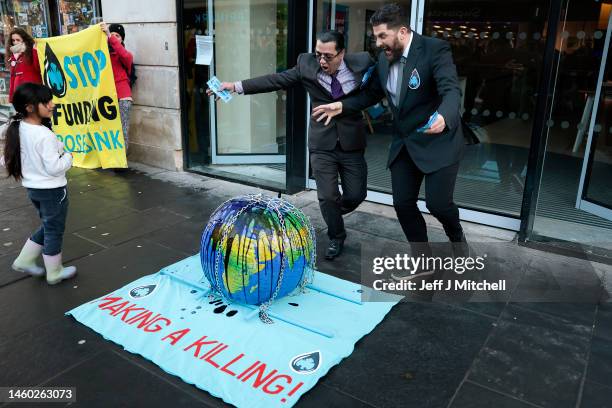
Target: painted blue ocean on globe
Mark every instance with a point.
(256, 249)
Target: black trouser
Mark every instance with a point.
(353, 171)
(406, 179)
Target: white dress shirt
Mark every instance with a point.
(345, 76)
(394, 71)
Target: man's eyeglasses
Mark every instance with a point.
(326, 57)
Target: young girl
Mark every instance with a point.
(21, 59)
(34, 155)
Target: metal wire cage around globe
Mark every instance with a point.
(256, 249)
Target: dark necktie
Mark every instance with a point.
(400, 78)
(336, 88)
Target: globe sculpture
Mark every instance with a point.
(256, 249)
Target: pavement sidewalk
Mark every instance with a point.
(542, 343)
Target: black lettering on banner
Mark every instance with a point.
(87, 111)
(106, 107)
(82, 113)
(68, 114)
(77, 110)
(57, 112)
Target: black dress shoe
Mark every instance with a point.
(334, 249)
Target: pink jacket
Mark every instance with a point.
(121, 61)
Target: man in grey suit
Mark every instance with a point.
(329, 74)
(419, 78)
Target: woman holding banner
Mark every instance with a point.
(121, 60)
(21, 59)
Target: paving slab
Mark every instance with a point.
(39, 354)
(8, 275)
(603, 322)
(16, 226)
(600, 362)
(130, 226)
(535, 357)
(87, 210)
(184, 236)
(107, 379)
(141, 195)
(416, 357)
(33, 302)
(472, 395)
(199, 206)
(595, 396)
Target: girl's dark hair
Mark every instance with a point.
(27, 40)
(25, 94)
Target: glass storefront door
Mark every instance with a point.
(594, 191)
(246, 138)
(196, 22)
(574, 193)
(497, 48)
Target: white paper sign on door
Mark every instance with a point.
(204, 49)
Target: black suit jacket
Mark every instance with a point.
(348, 130)
(438, 90)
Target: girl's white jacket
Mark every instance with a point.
(43, 161)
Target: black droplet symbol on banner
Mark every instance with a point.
(142, 291)
(54, 77)
(306, 363)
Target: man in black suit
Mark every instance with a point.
(328, 75)
(419, 78)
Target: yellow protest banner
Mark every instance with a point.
(77, 68)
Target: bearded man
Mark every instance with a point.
(418, 77)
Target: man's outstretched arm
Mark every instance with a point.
(264, 83)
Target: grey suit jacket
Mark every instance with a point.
(348, 130)
(438, 89)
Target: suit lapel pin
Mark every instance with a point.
(366, 77)
(415, 80)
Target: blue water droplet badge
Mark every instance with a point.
(306, 363)
(415, 80)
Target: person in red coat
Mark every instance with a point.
(121, 61)
(21, 59)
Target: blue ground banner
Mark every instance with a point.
(170, 319)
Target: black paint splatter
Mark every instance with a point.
(220, 309)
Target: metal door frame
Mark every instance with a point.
(240, 158)
(581, 201)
